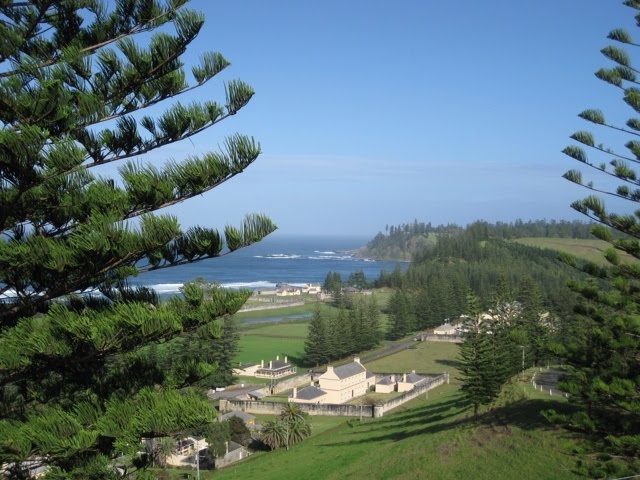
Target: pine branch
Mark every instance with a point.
(57, 58)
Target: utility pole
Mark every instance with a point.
(522, 374)
(197, 461)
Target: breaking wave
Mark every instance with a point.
(252, 285)
(166, 288)
(278, 256)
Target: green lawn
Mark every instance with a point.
(426, 357)
(288, 329)
(254, 348)
(586, 249)
(284, 311)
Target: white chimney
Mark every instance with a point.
(295, 392)
(261, 363)
(277, 357)
(270, 364)
(285, 359)
(413, 371)
(404, 377)
(226, 447)
(356, 359)
(329, 368)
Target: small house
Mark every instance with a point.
(387, 384)
(286, 290)
(446, 329)
(409, 381)
(309, 394)
(248, 420)
(275, 368)
(312, 288)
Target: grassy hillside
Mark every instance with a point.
(427, 438)
(591, 250)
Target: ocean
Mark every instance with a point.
(276, 259)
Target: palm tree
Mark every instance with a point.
(291, 412)
(274, 434)
(298, 430)
(163, 448)
(292, 426)
(297, 426)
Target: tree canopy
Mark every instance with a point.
(77, 387)
(604, 347)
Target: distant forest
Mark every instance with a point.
(405, 240)
(440, 276)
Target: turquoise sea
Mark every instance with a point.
(276, 259)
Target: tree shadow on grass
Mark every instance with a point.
(425, 411)
(449, 363)
(524, 414)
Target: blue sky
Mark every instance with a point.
(375, 112)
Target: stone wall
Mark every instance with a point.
(444, 338)
(289, 383)
(431, 383)
(274, 408)
(333, 410)
(231, 457)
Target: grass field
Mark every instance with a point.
(288, 329)
(284, 311)
(426, 357)
(432, 438)
(591, 250)
(265, 341)
(254, 348)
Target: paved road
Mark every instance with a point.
(546, 380)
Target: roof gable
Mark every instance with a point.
(349, 370)
(310, 392)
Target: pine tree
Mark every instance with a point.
(604, 378)
(358, 327)
(424, 309)
(342, 337)
(536, 322)
(481, 373)
(316, 347)
(73, 337)
(401, 318)
(372, 323)
(224, 349)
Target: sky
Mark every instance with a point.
(373, 113)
